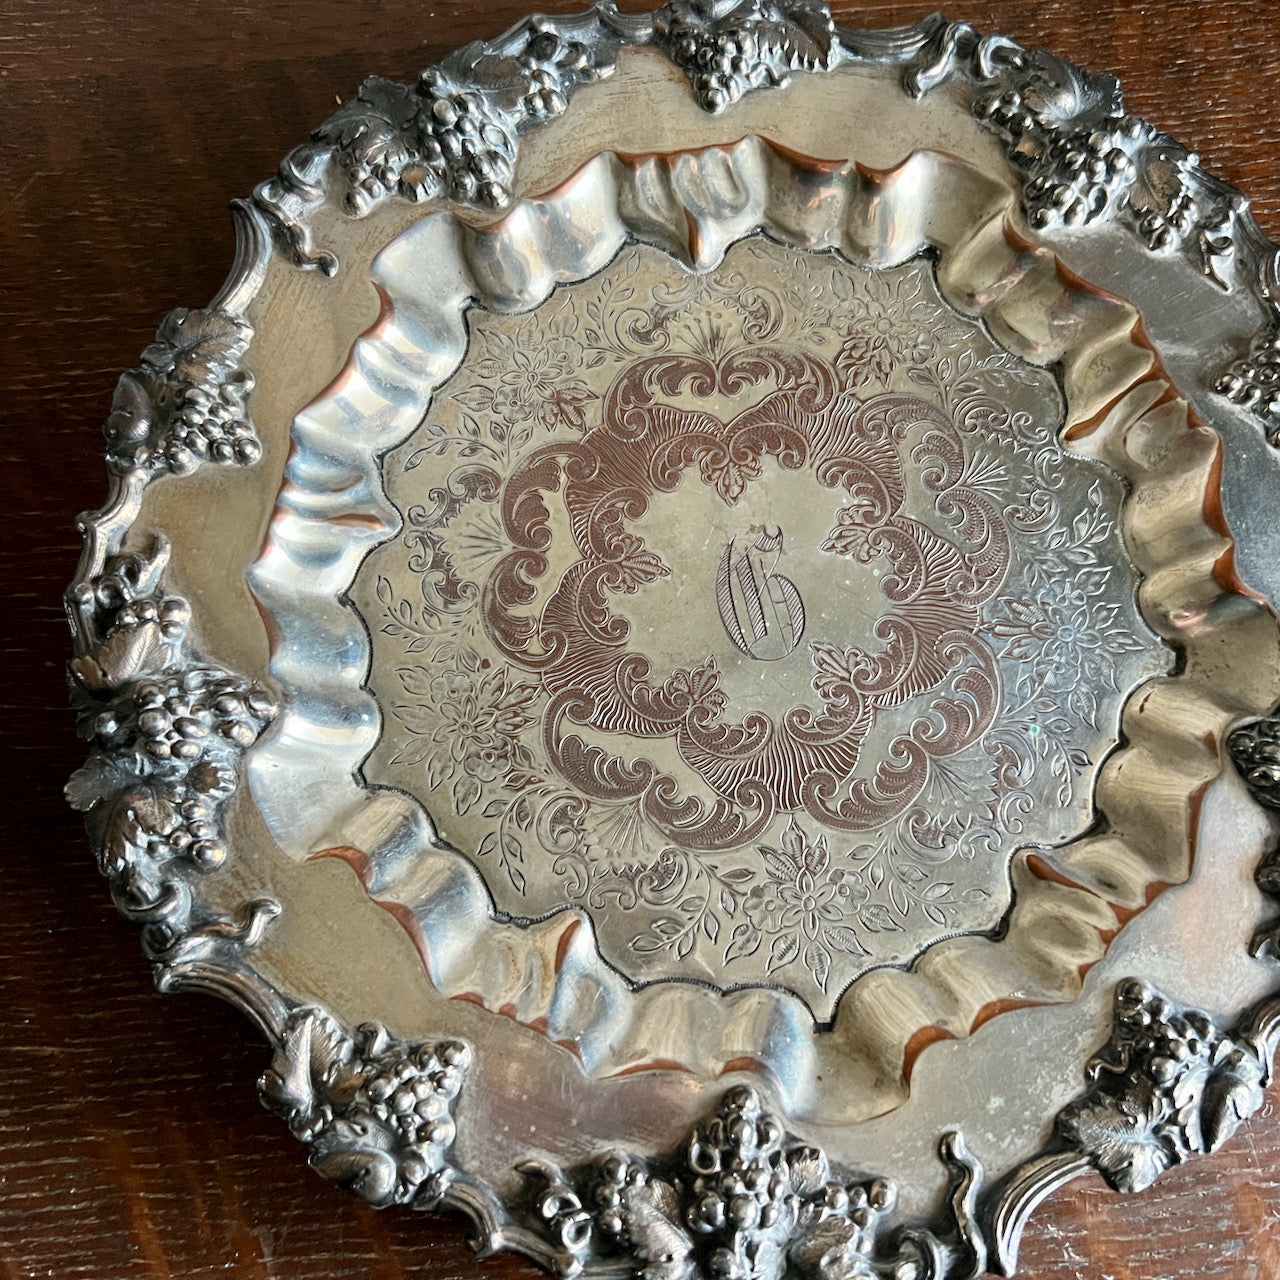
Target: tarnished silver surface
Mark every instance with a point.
(726, 644)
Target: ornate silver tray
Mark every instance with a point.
(692, 635)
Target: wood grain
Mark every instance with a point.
(131, 1144)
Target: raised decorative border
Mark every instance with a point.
(169, 729)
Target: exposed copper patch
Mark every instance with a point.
(355, 858)
(274, 635)
(695, 238)
(1078, 284)
(994, 1008)
(806, 164)
(354, 521)
(1087, 426)
(917, 1045)
(1051, 875)
(744, 1064)
(386, 315)
(571, 1046)
(409, 922)
(654, 1064)
(539, 1026)
(1224, 567)
(1043, 871)
(566, 941)
(1018, 242)
(1124, 914)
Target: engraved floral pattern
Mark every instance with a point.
(527, 377)
(946, 485)
(466, 725)
(801, 906)
(1067, 641)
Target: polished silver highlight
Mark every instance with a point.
(742, 1134)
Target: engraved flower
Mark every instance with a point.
(467, 729)
(886, 322)
(1067, 643)
(801, 906)
(529, 376)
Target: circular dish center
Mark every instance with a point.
(757, 612)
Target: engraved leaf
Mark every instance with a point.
(416, 680)
(414, 753)
(476, 397)
(786, 946)
(844, 939)
(662, 933)
(877, 919)
(817, 959)
(466, 791)
(745, 941)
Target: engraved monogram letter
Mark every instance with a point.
(761, 610)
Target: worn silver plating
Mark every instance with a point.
(169, 728)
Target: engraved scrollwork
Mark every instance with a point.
(187, 401)
(167, 735)
(376, 1112)
(740, 1201)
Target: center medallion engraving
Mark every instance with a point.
(759, 613)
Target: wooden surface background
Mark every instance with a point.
(131, 1142)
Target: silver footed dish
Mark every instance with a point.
(693, 636)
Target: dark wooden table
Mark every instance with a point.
(131, 1143)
